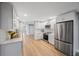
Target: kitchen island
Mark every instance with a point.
(11, 47)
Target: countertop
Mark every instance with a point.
(11, 41)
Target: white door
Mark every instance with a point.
(31, 30)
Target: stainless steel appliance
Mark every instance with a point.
(64, 37)
(45, 36)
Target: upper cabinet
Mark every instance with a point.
(6, 16)
(66, 17)
(39, 25)
(15, 20)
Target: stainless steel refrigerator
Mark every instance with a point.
(64, 37)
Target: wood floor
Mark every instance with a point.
(33, 47)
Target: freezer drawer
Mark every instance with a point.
(62, 46)
(66, 48)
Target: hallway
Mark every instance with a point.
(33, 47)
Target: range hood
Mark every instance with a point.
(47, 26)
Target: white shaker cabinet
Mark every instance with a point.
(51, 38)
(6, 13)
(11, 48)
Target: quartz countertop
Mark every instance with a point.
(11, 41)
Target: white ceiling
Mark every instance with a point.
(42, 10)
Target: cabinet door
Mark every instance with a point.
(51, 38)
(11, 49)
(6, 16)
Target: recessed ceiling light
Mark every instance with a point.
(17, 17)
(25, 14)
(52, 17)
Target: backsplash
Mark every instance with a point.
(13, 34)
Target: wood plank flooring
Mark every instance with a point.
(33, 47)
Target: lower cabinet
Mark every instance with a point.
(11, 49)
(51, 38)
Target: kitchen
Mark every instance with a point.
(55, 28)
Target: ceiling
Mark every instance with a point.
(42, 10)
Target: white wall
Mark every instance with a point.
(0, 15)
(77, 32)
(3, 35)
(78, 28)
